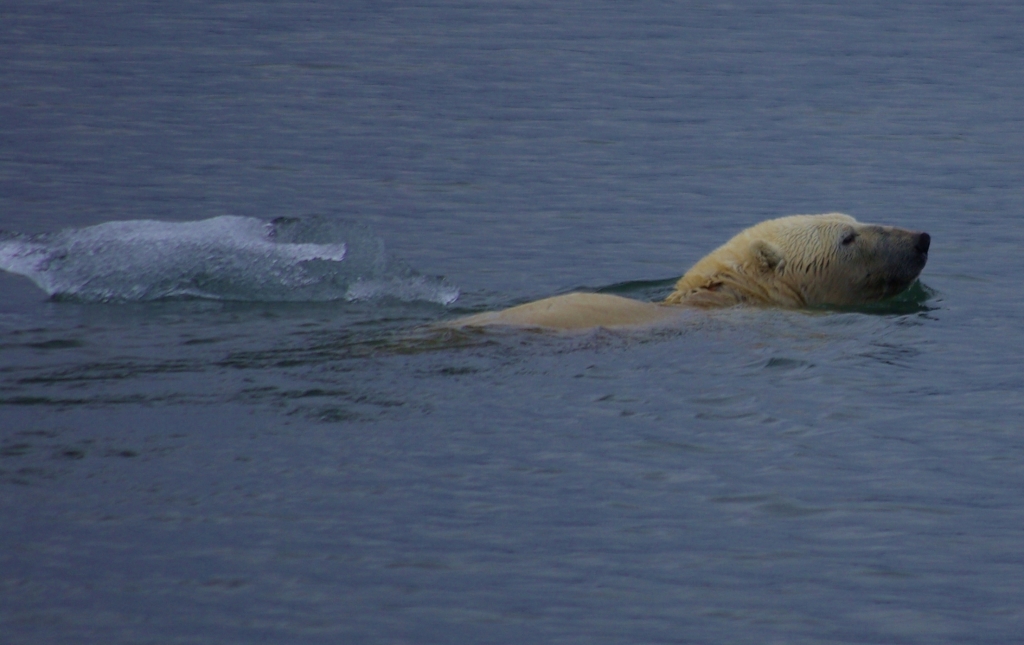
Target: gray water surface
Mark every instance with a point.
(225, 466)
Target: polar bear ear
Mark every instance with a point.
(768, 256)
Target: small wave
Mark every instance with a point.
(223, 258)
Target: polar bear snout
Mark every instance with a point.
(922, 243)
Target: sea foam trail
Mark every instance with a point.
(223, 258)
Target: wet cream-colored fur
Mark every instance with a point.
(796, 261)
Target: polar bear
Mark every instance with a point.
(796, 261)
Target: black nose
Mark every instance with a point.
(923, 242)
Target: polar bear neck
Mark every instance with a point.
(734, 281)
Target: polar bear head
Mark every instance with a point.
(806, 261)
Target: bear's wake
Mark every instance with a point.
(223, 258)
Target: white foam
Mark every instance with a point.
(227, 257)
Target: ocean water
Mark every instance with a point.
(228, 228)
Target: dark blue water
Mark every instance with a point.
(238, 442)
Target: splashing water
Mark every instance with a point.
(223, 258)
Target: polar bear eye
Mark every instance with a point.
(850, 237)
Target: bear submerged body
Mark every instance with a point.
(829, 260)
